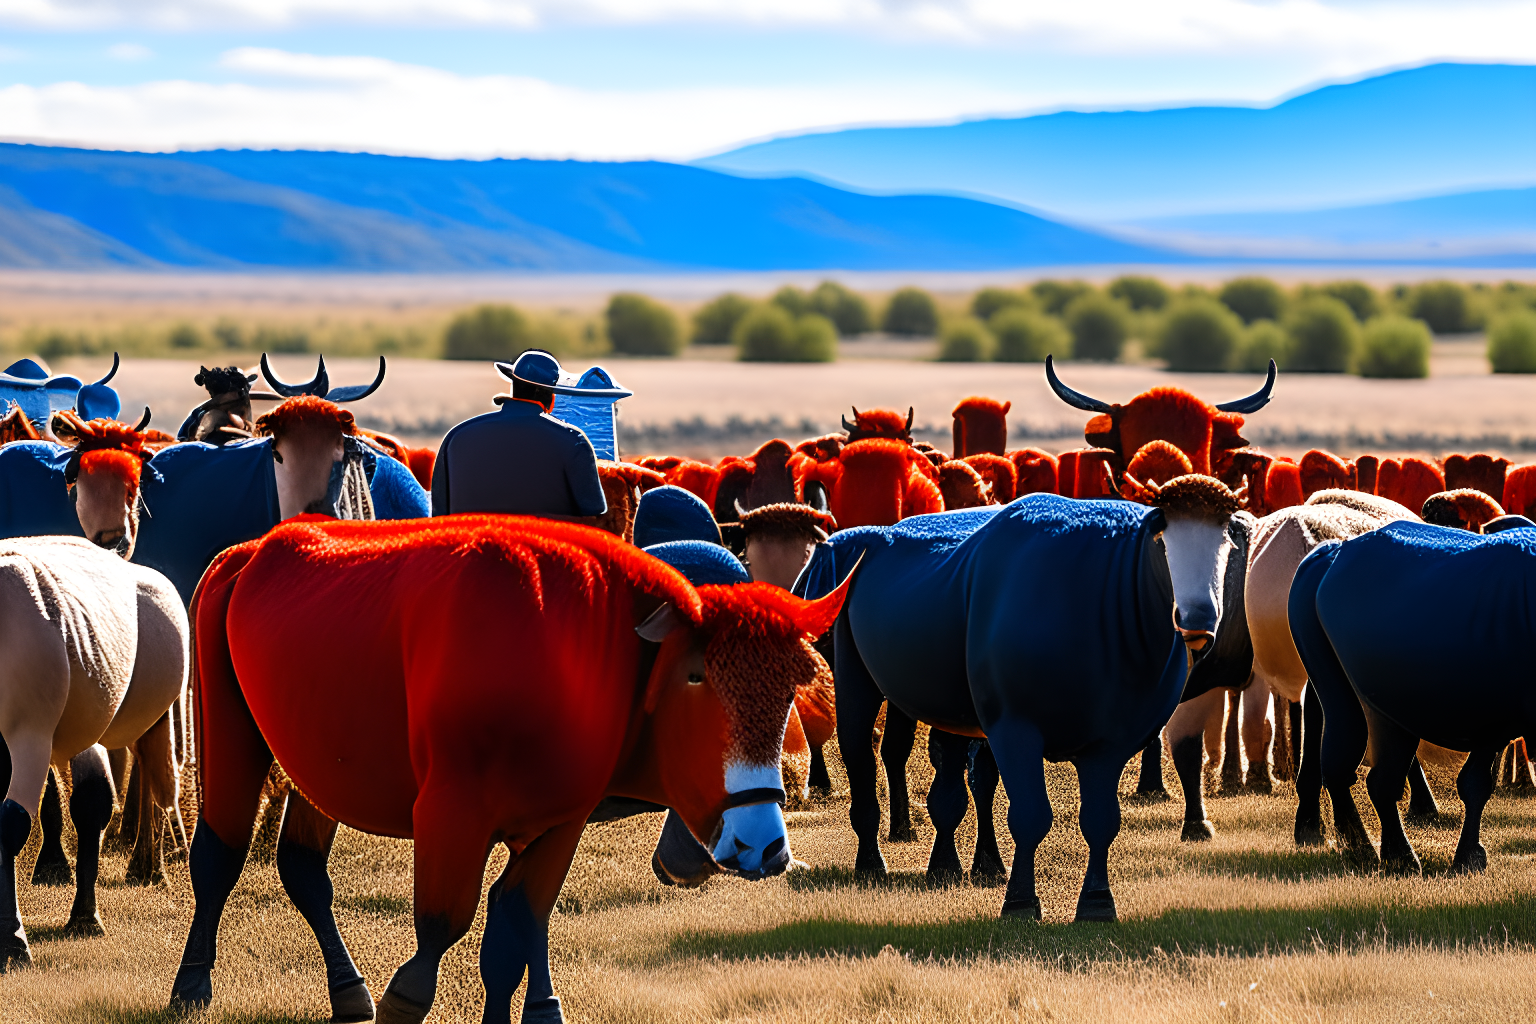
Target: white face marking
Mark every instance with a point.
(740, 777)
(1197, 561)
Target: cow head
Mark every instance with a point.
(780, 539)
(878, 423)
(1465, 508)
(306, 431)
(103, 477)
(1205, 433)
(1203, 525)
(226, 416)
(718, 700)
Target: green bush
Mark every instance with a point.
(714, 322)
(911, 312)
(1055, 296)
(1394, 346)
(988, 302)
(966, 340)
(230, 334)
(1323, 336)
(1512, 343)
(1099, 326)
(638, 326)
(1262, 341)
(768, 334)
(1198, 334)
(286, 338)
(815, 339)
(485, 332)
(1025, 336)
(1253, 298)
(1139, 292)
(847, 310)
(185, 336)
(794, 301)
(1360, 297)
(1442, 305)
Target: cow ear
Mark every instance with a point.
(659, 624)
(1006, 407)
(816, 617)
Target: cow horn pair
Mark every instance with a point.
(1146, 493)
(1253, 403)
(66, 423)
(320, 386)
(850, 427)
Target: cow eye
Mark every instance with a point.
(695, 678)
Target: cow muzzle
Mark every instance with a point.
(753, 842)
(1195, 639)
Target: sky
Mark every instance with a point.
(672, 79)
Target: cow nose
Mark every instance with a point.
(112, 540)
(1195, 639)
(753, 843)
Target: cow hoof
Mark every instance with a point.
(1422, 818)
(192, 990)
(1406, 865)
(1150, 796)
(14, 952)
(137, 875)
(945, 876)
(543, 1011)
(1361, 858)
(1259, 782)
(870, 865)
(394, 1009)
(987, 871)
(1310, 833)
(1198, 832)
(660, 872)
(1471, 862)
(351, 1004)
(1096, 905)
(84, 926)
(52, 871)
(1029, 908)
(905, 834)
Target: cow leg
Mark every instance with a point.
(1188, 732)
(303, 855)
(679, 858)
(1149, 785)
(451, 847)
(27, 768)
(1344, 739)
(895, 751)
(820, 780)
(90, 808)
(987, 864)
(1392, 752)
(947, 802)
(1098, 785)
(1232, 752)
(858, 705)
(1474, 785)
(1422, 806)
(1258, 737)
(52, 867)
(156, 768)
(1020, 752)
(517, 928)
(128, 824)
(1309, 772)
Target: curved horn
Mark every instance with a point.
(143, 421)
(1256, 401)
(849, 427)
(1073, 398)
(319, 387)
(112, 372)
(909, 419)
(353, 392)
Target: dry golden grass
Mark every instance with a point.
(1246, 927)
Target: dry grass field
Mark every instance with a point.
(1247, 927)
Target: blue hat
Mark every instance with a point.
(39, 395)
(672, 513)
(538, 367)
(701, 562)
(591, 408)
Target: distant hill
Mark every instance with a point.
(1496, 226)
(1437, 129)
(223, 210)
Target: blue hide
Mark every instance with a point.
(1042, 609)
(208, 499)
(34, 501)
(1434, 628)
(395, 491)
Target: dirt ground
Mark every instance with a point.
(707, 405)
(1247, 927)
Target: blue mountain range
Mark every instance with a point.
(1434, 130)
(236, 210)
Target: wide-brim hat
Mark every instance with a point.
(540, 369)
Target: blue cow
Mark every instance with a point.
(1417, 632)
(1053, 628)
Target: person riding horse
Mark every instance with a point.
(520, 460)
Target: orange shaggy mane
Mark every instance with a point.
(1169, 414)
(106, 446)
(1159, 462)
(113, 462)
(883, 423)
(305, 411)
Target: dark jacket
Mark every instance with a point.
(518, 460)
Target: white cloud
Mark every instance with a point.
(1363, 33)
(129, 51)
(365, 103)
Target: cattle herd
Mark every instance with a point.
(265, 591)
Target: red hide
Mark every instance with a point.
(878, 482)
(1282, 486)
(699, 478)
(1366, 469)
(1037, 472)
(1520, 491)
(981, 426)
(999, 473)
(1322, 471)
(1409, 481)
(962, 486)
(1481, 472)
